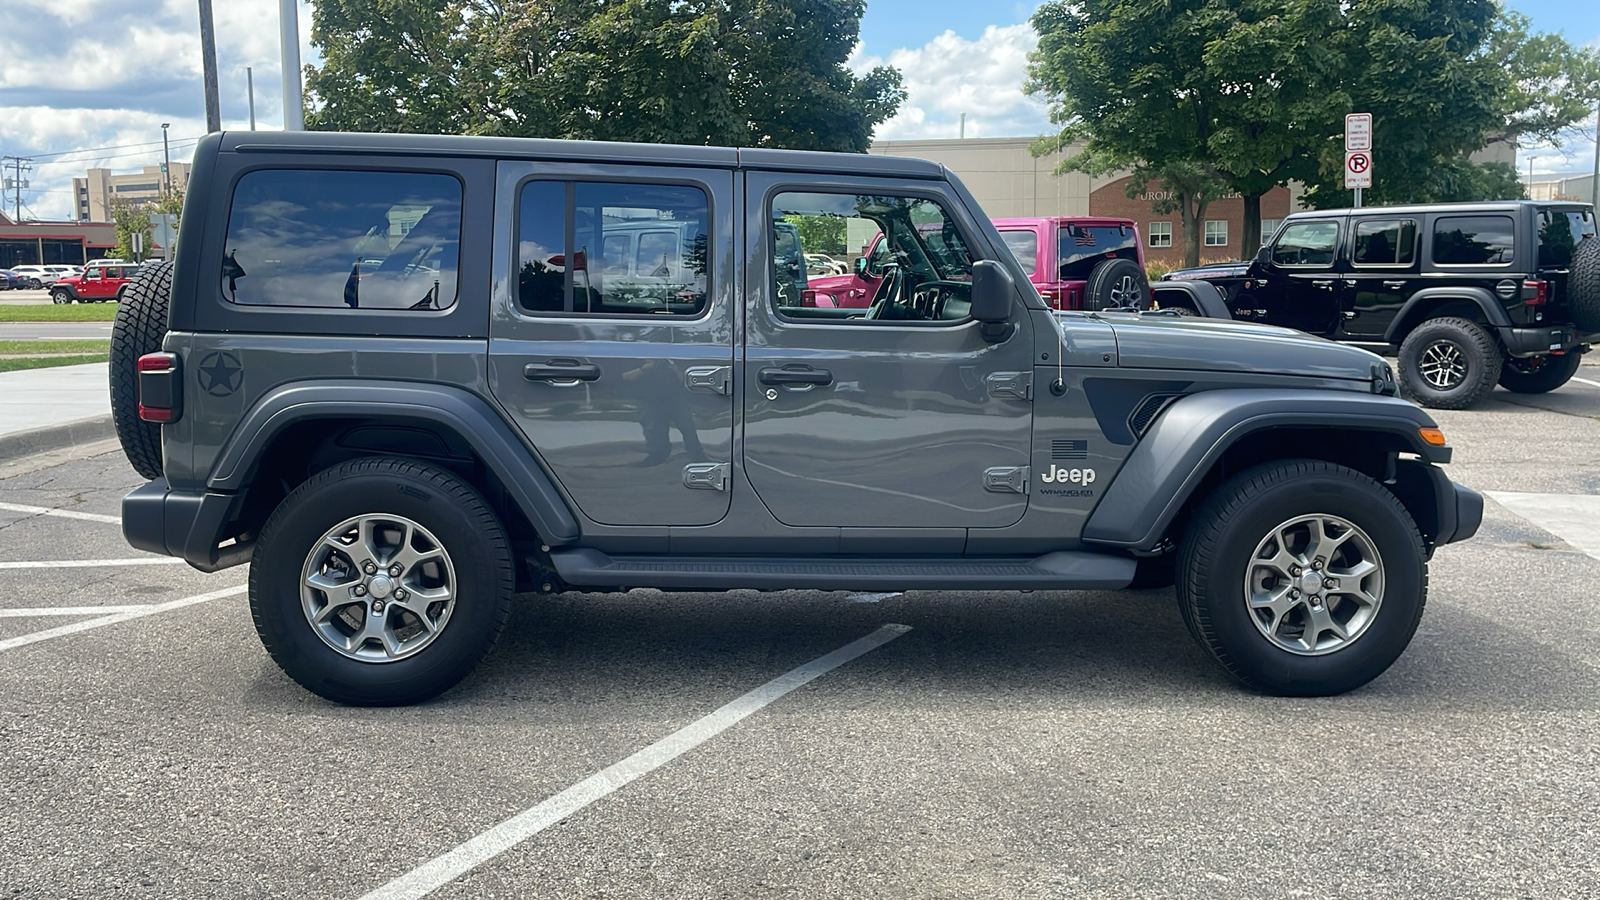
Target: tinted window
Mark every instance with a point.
(1560, 231)
(364, 240)
(1024, 245)
(1307, 244)
(1084, 246)
(591, 248)
(1473, 240)
(1386, 242)
(920, 270)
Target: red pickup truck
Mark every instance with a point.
(97, 284)
(1075, 262)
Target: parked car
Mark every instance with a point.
(395, 473)
(43, 275)
(97, 284)
(13, 280)
(1466, 294)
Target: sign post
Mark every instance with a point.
(1358, 153)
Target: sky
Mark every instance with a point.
(107, 73)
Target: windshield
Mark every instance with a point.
(1084, 246)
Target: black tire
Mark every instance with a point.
(61, 296)
(1448, 363)
(1539, 374)
(139, 328)
(1114, 283)
(477, 554)
(1583, 285)
(1238, 518)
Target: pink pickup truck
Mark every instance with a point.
(1075, 262)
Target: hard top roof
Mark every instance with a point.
(574, 151)
(1422, 208)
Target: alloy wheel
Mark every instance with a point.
(1314, 584)
(378, 588)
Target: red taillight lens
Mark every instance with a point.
(1541, 292)
(155, 414)
(159, 390)
(158, 362)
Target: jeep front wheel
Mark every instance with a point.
(1539, 374)
(60, 296)
(1303, 578)
(1449, 363)
(380, 582)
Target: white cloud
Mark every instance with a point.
(951, 75)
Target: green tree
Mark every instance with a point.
(130, 218)
(821, 234)
(749, 73)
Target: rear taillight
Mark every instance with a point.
(1535, 292)
(1051, 296)
(160, 389)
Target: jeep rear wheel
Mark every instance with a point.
(1539, 374)
(1303, 578)
(1115, 283)
(1448, 363)
(380, 582)
(139, 328)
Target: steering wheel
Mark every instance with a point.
(887, 288)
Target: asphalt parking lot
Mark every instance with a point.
(997, 745)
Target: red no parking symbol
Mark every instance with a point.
(1359, 162)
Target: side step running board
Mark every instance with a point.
(1063, 570)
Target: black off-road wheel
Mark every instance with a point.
(1539, 374)
(1303, 578)
(1449, 363)
(139, 328)
(1583, 285)
(1116, 283)
(381, 582)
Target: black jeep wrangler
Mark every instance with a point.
(1468, 294)
(409, 377)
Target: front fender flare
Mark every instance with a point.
(1166, 467)
(1205, 297)
(466, 414)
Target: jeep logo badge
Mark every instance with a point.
(1058, 475)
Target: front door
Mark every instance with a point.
(612, 339)
(898, 414)
(1297, 284)
(94, 284)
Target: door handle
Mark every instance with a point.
(561, 371)
(795, 374)
(1394, 285)
(1323, 284)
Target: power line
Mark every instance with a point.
(98, 149)
(90, 158)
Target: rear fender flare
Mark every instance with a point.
(469, 416)
(1411, 314)
(1191, 435)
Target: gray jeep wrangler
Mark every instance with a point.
(408, 377)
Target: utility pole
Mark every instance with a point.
(208, 62)
(963, 126)
(250, 89)
(294, 108)
(19, 165)
(166, 160)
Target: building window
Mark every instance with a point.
(1160, 234)
(1216, 232)
(1268, 228)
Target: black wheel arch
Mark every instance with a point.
(1471, 303)
(1201, 440)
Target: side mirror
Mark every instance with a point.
(992, 295)
(860, 266)
(1264, 255)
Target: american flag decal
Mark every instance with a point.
(1082, 237)
(1069, 449)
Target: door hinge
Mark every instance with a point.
(1006, 479)
(1017, 384)
(715, 379)
(706, 476)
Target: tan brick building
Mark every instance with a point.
(92, 194)
(1223, 226)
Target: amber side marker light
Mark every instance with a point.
(1432, 435)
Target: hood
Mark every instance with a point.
(1170, 342)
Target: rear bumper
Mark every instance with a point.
(1539, 340)
(187, 525)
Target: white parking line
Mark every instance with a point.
(68, 611)
(93, 563)
(1586, 381)
(62, 513)
(441, 870)
(75, 627)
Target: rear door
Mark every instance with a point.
(612, 335)
(900, 415)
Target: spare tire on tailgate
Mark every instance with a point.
(140, 326)
(1117, 283)
(1583, 285)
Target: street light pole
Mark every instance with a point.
(294, 115)
(250, 88)
(166, 159)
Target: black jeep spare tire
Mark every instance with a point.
(1583, 285)
(1116, 283)
(140, 326)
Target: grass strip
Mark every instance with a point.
(72, 312)
(8, 348)
(45, 362)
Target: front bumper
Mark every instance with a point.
(184, 524)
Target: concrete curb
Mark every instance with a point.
(55, 437)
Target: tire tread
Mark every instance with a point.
(139, 328)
